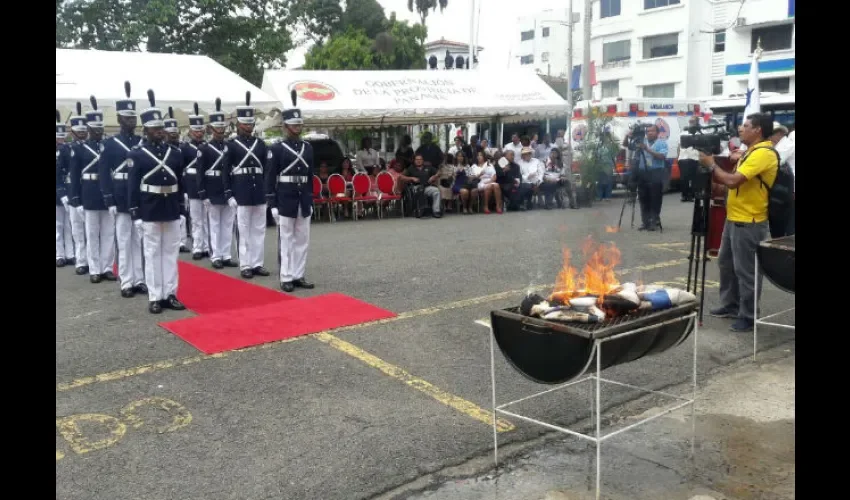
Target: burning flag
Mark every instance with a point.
(597, 277)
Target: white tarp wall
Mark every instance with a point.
(177, 80)
(385, 98)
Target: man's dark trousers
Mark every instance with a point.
(650, 185)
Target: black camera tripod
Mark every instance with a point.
(630, 199)
(699, 247)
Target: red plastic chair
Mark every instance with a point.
(336, 190)
(318, 199)
(386, 184)
(361, 185)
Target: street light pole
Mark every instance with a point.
(585, 70)
(569, 70)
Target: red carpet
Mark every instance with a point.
(249, 326)
(207, 291)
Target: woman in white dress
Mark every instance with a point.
(487, 183)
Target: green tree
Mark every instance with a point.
(366, 15)
(596, 154)
(245, 36)
(422, 7)
(319, 19)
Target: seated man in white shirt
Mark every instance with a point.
(514, 146)
(366, 159)
(532, 171)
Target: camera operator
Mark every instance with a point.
(689, 162)
(746, 219)
(648, 171)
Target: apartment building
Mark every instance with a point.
(666, 48)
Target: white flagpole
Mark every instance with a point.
(753, 94)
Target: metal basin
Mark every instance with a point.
(776, 261)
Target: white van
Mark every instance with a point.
(669, 115)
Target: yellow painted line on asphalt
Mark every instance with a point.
(428, 311)
(467, 408)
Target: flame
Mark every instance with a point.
(597, 278)
(612, 229)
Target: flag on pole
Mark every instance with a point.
(753, 104)
(576, 83)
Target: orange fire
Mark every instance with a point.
(612, 229)
(597, 277)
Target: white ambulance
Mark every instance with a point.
(669, 115)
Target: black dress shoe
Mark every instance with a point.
(128, 293)
(261, 271)
(183, 249)
(287, 286)
(197, 256)
(205, 254)
(71, 261)
(82, 270)
(61, 262)
(95, 278)
(140, 288)
(154, 307)
(217, 264)
(108, 276)
(302, 283)
(172, 303)
(230, 263)
(247, 274)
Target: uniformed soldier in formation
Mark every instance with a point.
(64, 239)
(113, 174)
(79, 133)
(156, 200)
(88, 198)
(289, 191)
(243, 189)
(172, 136)
(191, 159)
(213, 157)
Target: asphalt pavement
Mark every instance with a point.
(357, 412)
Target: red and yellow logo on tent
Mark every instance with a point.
(314, 91)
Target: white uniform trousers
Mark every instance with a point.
(130, 269)
(221, 231)
(161, 246)
(200, 227)
(64, 238)
(294, 242)
(78, 231)
(100, 236)
(184, 234)
(251, 222)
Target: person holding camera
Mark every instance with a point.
(648, 172)
(746, 219)
(689, 162)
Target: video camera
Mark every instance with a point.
(707, 143)
(638, 131)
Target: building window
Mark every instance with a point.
(660, 46)
(720, 41)
(717, 87)
(654, 4)
(526, 35)
(609, 8)
(611, 88)
(781, 85)
(545, 32)
(616, 51)
(544, 57)
(772, 38)
(667, 90)
(527, 59)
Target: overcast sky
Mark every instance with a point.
(497, 18)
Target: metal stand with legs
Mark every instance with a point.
(761, 321)
(596, 380)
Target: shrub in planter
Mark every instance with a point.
(596, 154)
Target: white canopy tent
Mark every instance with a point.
(413, 97)
(177, 80)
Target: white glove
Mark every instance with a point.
(207, 203)
(232, 202)
(81, 209)
(138, 223)
(64, 201)
(113, 211)
(276, 215)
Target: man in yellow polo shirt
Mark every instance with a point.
(746, 219)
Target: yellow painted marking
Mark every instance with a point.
(59, 455)
(428, 311)
(181, 416)
(69, 429)
(450, 400)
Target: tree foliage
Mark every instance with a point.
(396, 45)
(245, 36)
(423, 7)
(596, 153)
(319, 19)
